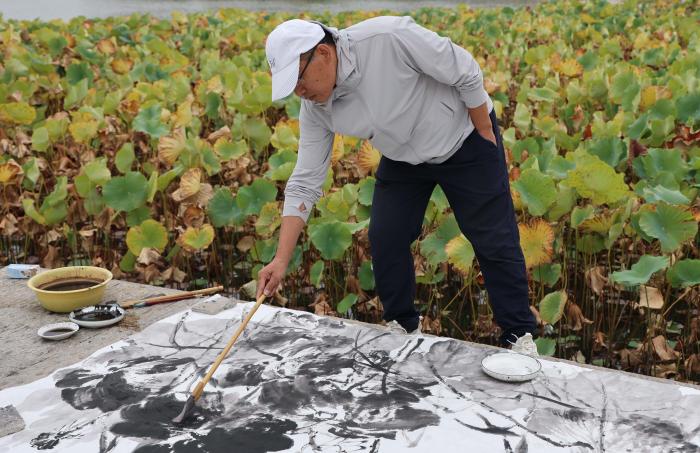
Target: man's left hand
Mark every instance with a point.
(488, 134)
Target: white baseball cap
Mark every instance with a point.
(283, 47)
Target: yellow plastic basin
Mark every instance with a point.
(64, 301)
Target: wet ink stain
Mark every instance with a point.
(282, 396)
(248, 375)
(260, 434)
(109, 394)
(154, 418)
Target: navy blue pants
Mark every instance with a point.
(475, 181)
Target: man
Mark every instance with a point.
(419, 99)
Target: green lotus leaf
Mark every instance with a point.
(281, 165)
(688, 108)
(57, 128)
(284, 138)
(432, 247)
(641, 271)
(671, 225)
(150, 234)
(346, 303)
(31, 173)
(684, 273)
(40, 139)
(197, 238)
(17, 113)
(128, 262)
(126, 193)
(148, 121)
(264, 250)
(625, 90)
(661, 193)
(94, 202)
(546, 346)
(365, 191)
(366, 276)
(594, 179)
(252, 198)
(566, 199)
(223, 209)
(124, 158)
(231, 150)
(138, 216)
(536, 190)
(580, 215)
(77, 72)
(548, 273)
(552, 307)
(97, 171)
(610, 150)
(332, 239)
(522, 117)
(76, 93)
(316, 273)
(666, 167)
(255, 130)
(31, 211)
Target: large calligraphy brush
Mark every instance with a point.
(199, 389)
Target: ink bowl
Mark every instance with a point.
(57, 331)
(65, 289)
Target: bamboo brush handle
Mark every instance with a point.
(172, 297)
(197, 392)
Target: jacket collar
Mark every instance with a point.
(346, 74)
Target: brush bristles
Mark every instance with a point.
(189, 404)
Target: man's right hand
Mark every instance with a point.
(270, 277)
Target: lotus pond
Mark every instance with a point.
(149, 146)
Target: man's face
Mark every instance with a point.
(317, 70)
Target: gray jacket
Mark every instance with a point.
(399, 85)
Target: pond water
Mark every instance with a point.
(66, 9)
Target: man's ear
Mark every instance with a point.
(325, 50)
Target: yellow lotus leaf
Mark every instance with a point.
(536, 241)
(197, 238)
(83, 131)
(170, 147)
(10, 172)
(338, 148)
(517, 201)
(183, 115)
(190, 183)
(600, 224)
(569, 67)
(107, 46)
(214, 85)
(460, 253)
(368, 157)
(122, 65)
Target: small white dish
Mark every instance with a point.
(112, 313)
(57, 331)
(511, 366)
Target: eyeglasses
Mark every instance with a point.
(301, 75)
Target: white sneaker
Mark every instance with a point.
(395, 327)
(525, 345)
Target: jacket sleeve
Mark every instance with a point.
(425, 51)
(303, 188)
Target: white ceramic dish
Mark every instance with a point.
(58, 331)
(511, 366)
(118, 315)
